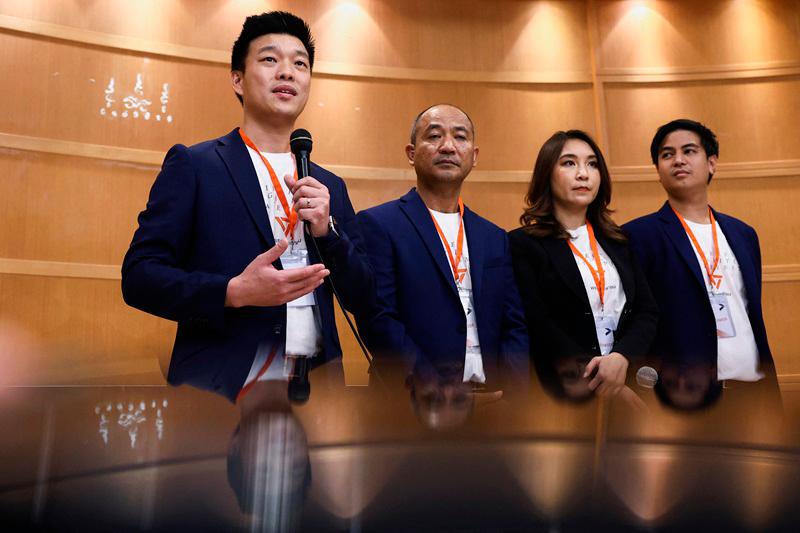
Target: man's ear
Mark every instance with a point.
(410, 150)
(712, 165)
(236, 82)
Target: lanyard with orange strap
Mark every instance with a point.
(267, 364)
(289, 221)
(598, 273)
(458, 273)
(714, 279)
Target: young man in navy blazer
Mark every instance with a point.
(704, 267)
(224, 246)
(446, 295)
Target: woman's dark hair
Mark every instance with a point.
(539, 219)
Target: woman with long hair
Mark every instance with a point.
(584, 295)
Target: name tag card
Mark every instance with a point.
(722, 314)
(298, 259)
(605, 333)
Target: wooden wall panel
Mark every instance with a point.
(761, 202)
(685, 33)
(782, 326)
(62, 92)
(754, 120)
(470, 35)
(356, 122)
(60, 208)
(86, 331)
(368, 123)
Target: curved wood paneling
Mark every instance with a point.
(321, 67)
(754, 120)
(355, 122)
(152, 159)
(69, 209)
(640, 74)
(505, 40)
(766, 204)
(86, 331)
(690, 37)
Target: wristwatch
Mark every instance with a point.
(332, 225)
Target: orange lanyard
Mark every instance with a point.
(458, 273)
(261, 372)
(598, 274)
(288, 222)
(714, 279)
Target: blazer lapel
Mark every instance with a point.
(475, 242)
(674, 230)
(742, 252)
(563, 259)
(416, 211)
(234, 154)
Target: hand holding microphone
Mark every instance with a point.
(310, 197)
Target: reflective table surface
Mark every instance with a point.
(412, 451)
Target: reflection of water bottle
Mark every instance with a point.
(647, 377)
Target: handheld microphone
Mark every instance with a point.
(301, 144)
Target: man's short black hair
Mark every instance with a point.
(279, 22)
(707, 137)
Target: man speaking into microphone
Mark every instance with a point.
(234, 245)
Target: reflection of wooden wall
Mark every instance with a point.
(73, 180)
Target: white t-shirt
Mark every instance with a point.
(606, 316)
(473, 362)
(278, 367)
(737, 354)
(303, 332)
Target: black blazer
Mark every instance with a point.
(560, 321)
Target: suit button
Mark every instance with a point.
(276, 330)
(462, 328)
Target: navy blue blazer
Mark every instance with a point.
(687, 328)
(205, 221)
(418, 315)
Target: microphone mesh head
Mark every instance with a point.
(300, 141)
(647, 377)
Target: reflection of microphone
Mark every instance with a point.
(301, 144)
(299, 387)
(646, 377)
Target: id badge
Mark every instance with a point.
(605, 333)
(296, 260)
(722, 314)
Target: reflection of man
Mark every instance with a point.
(704, 267)
(222, 246)
(441, 400)
(268, 463)
(445, 289)
(688, 386)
